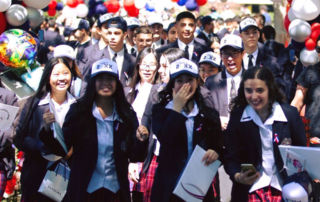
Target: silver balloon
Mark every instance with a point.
(306, 9)
(35, 17)
(291, 15)
(40, 4)
(4, 5)
(308, 57)
(299, 30)
(16, 15)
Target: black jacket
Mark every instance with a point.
(80, 131)
(243, 145)
(169, 126)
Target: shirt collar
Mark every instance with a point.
(254, 54)
(183, 45)
(46, 99)
(114, 116)
(277, 114)
(120, 53)
(193, 113)
(237, 75)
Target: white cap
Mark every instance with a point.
(104, 66)
(155, 19)
(133, 22)
(294, 192)
(210, 57)
(183, 66)
(246, 23)
(231, 40)
(64, 51)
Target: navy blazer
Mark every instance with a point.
(28, 140)
(243, 144)
(169, 126)
(80, 131)
(199, 49)
(92, 54)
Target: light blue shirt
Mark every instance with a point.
(189, 124)
(104, 175)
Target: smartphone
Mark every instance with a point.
(245, 167)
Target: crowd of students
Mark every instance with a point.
(134, 100)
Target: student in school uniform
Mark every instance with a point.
(181, 121)
(101, 128)
(42, 113)
(260, 121)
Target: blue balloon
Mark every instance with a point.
(59, 6)
(100, 9)
(149, 7)
(191, 5)
(46, 8)
(182, 2)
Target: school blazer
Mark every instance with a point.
(169, 126)
(199, 49)
(243, 144)
(80, 132)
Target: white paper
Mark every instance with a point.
(296, 159)
(7, 115)
(196, 177)
(33, 78)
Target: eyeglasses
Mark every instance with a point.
(151, 66)
(227, 54)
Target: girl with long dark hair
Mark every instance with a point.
(47, 107)
(101, 128)
(260, 121)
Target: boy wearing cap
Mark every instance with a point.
(193, 47)
(224, 86)
(111, 46)
(253, 51)
(207, 33)
(156, 26)
(209, 65)
(133, 24)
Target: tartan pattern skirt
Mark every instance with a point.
(266, 194)
(146, 180)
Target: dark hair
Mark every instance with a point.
(122, 106)
(51, 23)
(173, 54)
(44, 86)
(269, 32)
(185, 14)
(264, 74)
(136, 76)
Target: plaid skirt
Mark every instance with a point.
(146, 180)
(306, 123)
(266, 194)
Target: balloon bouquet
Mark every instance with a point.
(302, 22)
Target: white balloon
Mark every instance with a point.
(299, 30)
(35, 17)
(16, 15)
(140, 3)
(308, 57)
(69, 12)
(82, 10)
(40, 4)
(306, 9)
(294, 192)
(291, 15)
(4, 5)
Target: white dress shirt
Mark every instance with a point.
(140, 102)
(246, 59)
(182, 46)
(119, 58)
(237, 80)
(269, 172)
